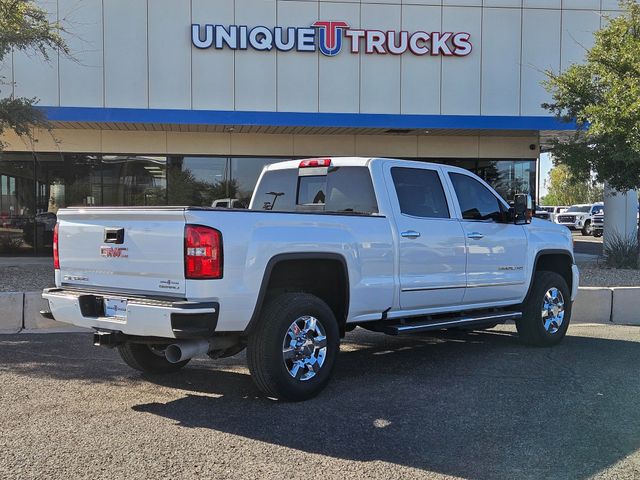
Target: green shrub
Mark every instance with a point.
(621, 252)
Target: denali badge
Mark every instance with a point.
(74, 278)
(114, 252)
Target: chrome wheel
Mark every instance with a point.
(304, 348)
(553, 310)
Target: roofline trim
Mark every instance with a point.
(302, 119)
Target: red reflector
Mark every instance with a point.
(315, 162)
(202, 252)
(56, 254)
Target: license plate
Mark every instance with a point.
(115, 307)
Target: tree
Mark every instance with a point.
(24, 27)
(565, 189)
(603, 97)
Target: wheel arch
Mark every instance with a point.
(283, 273)
(553, 260)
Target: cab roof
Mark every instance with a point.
(347, 162)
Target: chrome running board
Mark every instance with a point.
(423, 325)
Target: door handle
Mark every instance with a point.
(475, 235)
(410, 234)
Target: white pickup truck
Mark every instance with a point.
(327, 245)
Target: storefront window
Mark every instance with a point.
(70, 180)
(198, 181)
(133, 180)
(509, 177)
(17, 205)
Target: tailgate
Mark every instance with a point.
(123, 249)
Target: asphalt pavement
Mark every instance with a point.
(472, 405)
(587, 244)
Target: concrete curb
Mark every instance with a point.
(625, 308)
(36, 323)
(20, 311)
(11, 307)
(615, 305)
(592, 305)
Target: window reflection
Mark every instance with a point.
(131, 180)
(16, 204)
(198, 181)
(507, 177)
(245, 173)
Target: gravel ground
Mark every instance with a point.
(594, 273)
(23, 275)
(463, 405)
(594, 276)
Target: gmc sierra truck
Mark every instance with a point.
(326, 245)
(580, 217)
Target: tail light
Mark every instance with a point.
(56, 252)
(202, 253)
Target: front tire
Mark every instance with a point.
(546, 311)
(148, 358)
(587, 229)
(293, 348)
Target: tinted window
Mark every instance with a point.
(277, 191)
(349, 189)
(597, 210)
(476, 201)
(343, 189)
(312, 190)
(420, 192)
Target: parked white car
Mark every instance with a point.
(327, 245)
(553, 211)
(580, 217)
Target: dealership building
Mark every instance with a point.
(182, 102)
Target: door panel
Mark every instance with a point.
(496, 250)
(432, 266)
(431, 244)
(495, 261)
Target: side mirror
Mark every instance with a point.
(522, 209)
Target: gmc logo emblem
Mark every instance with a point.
(114, 252)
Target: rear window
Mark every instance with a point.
(341, 190)
(276, 191)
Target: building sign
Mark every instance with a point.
(328, 37)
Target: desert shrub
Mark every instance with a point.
(621, 252)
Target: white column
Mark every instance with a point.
(620, 213)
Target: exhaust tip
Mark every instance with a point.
(173, 353)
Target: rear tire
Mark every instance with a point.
(147, 358)
(546, 311)
(285, 350)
